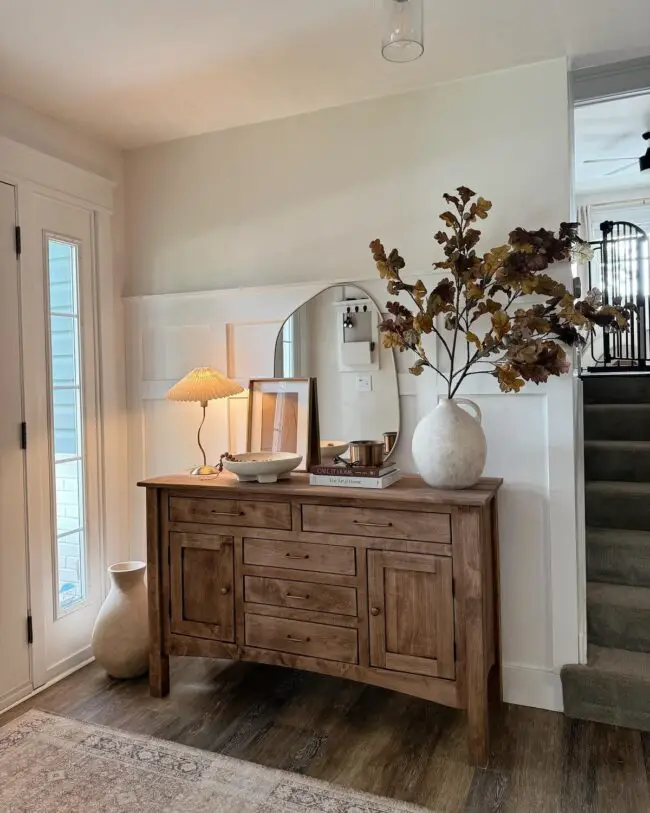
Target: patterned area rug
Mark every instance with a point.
(51, 764)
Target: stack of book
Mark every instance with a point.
(354, 476)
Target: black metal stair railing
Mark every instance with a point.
(620, 269)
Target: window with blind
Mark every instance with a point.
(635, 211)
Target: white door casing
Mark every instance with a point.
(15, 666)
(80, 204)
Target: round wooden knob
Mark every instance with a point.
(225, 591)
(375, 610)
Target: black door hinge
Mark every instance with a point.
(23, 435)
(19, 241)
(455, 653)
(30, 630)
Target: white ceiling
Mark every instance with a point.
(611, 130)
(142, 71)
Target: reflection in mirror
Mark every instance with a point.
(334, 338)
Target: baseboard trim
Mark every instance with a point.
(15, 696)
(47, 685)
(69, 664)
(522, 686)
(532, 686)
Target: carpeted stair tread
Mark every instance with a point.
(616, 388)
(622, 445)
(619, 488)
(615, 504)
(617, 422)
(618, 615)
(618, 556)
(620, 662)
(613, 687)
(619, 460)
(619, 595)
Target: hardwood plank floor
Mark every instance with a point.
(371, 739)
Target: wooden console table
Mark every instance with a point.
(396, 587)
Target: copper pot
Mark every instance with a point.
(366, 453)
(389, 441)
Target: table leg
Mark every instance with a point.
(158, 674)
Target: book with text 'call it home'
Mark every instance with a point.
(354, 481)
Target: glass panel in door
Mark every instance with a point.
(66, 410)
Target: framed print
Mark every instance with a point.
(283, 417)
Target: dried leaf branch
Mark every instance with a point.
(528, 343)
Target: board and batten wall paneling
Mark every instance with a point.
(526, 435)
(286, 208)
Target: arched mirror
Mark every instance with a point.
(334, 338)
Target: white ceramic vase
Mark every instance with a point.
(120, 639)
(449, 446)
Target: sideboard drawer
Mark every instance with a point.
(386, 523)
(300, 556)
(327, 598)
(302, 638)
(254, 514)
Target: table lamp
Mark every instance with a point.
(203, 384)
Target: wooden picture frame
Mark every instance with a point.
(283, 417)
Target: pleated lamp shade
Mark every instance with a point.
(203, 384)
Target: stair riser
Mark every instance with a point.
(611, 699)
(616, 389)
(618, 564)
(619, 627)
(613, 424)
(627, 511)
(630, 465)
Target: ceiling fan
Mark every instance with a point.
(643, 161)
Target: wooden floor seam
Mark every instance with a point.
(370, 739)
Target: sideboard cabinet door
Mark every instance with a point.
(411, 613)
(202, 577)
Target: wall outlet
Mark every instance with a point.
(364, 383)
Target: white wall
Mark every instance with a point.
(52, 137)
(297, 201)
(625, 193)
(302, 197)
(47, 135)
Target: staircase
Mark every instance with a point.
(614, 686)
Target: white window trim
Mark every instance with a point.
(89, 475)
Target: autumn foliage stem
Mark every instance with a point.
(459, 235)
(529, 344)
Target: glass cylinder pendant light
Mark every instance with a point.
(404, 37)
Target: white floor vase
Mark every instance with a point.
(121, 635)
(449, 447)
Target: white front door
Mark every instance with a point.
(15, 667)
(60, 350)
